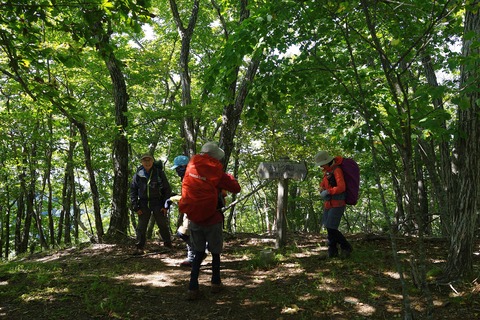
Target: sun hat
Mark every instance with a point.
(146, 155)
(322, 158)
(212, 149)
(180, 161)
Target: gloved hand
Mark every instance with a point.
(175, 198)
(324, 194)
(167, 204)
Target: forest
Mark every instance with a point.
(88, 86)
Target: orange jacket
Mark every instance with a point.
(336, 198)
(203, 181)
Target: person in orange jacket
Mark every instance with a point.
(332, 191)
(202, 188)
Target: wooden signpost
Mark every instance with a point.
(282, 170)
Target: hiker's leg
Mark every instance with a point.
(190, 253)
(162, 223)
(331, 221)
(214, 237)
(344, 244)
(141, 231)
(216, 269)
(332, 243)
(197, 261)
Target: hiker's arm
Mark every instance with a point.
(134, 194)
(340, 188)
(166, 189)
(229, 183)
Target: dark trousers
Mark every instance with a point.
(160, 219)
(197, 261)
(335, 238)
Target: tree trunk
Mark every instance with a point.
(407, 308)
(8, 211)
(423, 210)
(232, 113)
(462, 235)
(440, 173)
(91, 178)
(36, 210)
(188, 128)
(51, 225)
(68, 188)
(119, 219)
(30, 212)
(231, 213)
(76, 211)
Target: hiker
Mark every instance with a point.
(180, 165)
(201, 188)
(332, 191)
(149, 191)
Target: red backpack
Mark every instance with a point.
(351, 174)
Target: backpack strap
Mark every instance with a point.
(333, 183)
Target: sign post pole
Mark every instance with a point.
(282, 170)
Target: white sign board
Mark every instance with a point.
(282, 170)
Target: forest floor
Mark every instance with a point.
(107, 282)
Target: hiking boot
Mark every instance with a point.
(216, 287)
(323, 256)
(345, 253)
(193, 295)
(138, 252)
(332, 252)
(186, 264)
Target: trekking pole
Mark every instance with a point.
(259, 187)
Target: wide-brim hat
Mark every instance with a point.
(212, 149)
(322, 158)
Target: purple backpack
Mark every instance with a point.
(351, 174)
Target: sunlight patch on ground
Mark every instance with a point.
(329, 285)
(293, 309)
(306, 297)
(263, 240)
(293, 265)
(155, 279)
(248, 302)
(365, 309)
(306, 253)
(382, 289)
(438, 303)
(393, 308)
(361, 308)
(43, 295)
(396, 296)
(3, 283)
(351, 300)
(393, 275)
(93, 249)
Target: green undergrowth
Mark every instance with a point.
(297, 282)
